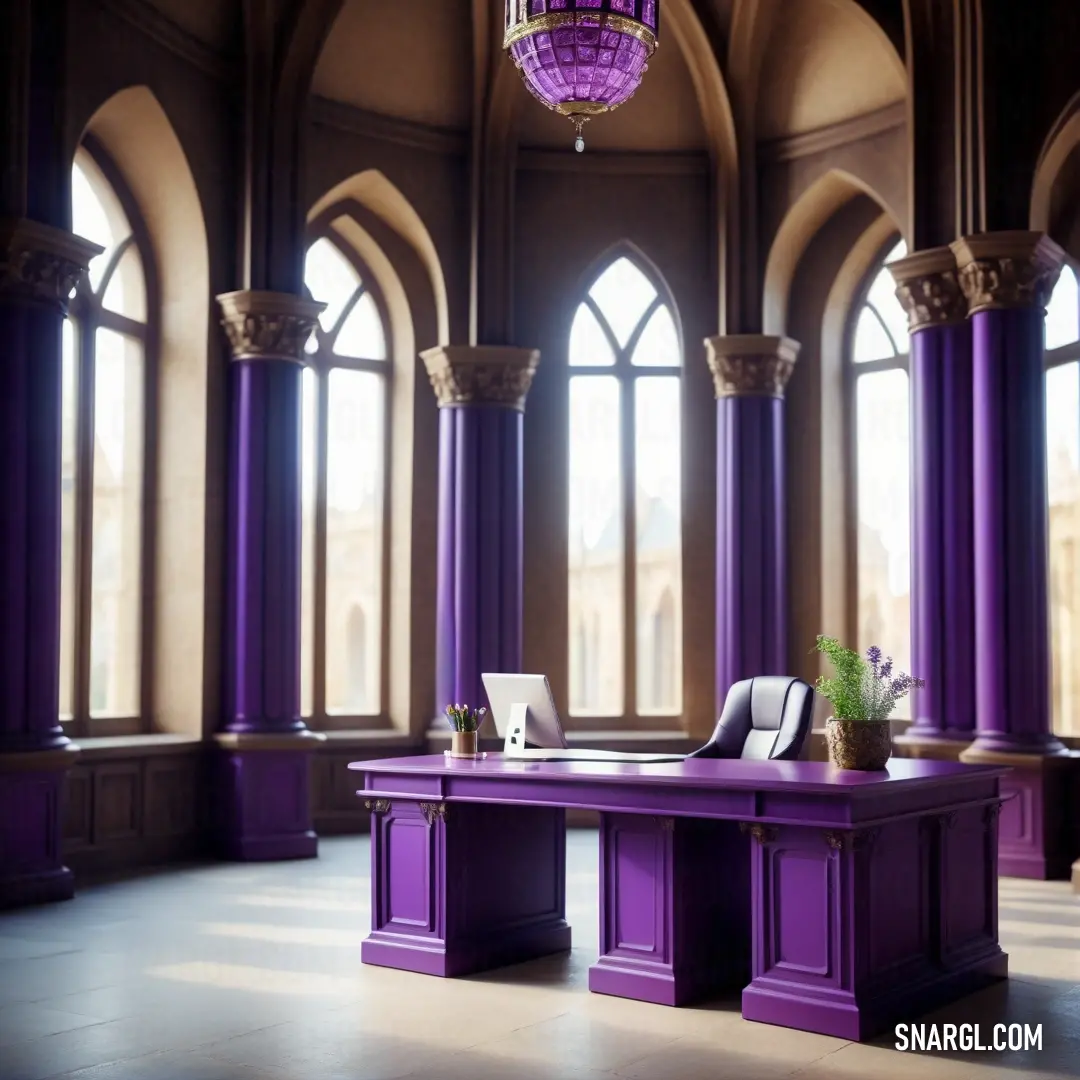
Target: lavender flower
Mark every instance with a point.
(462, 718)
(863, 689)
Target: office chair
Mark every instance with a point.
(764, 718)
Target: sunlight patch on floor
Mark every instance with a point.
(286, 935)
(255, 979)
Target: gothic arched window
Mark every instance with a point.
(1063, 476)
(625, 506)
(345, 437)
(104, 445)
(878, 383)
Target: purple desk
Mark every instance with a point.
(848, 901)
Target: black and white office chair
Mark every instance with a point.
(764, 718)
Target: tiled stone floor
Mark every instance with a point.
(234, 972)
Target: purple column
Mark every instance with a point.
(942, 557)
(41, 266)
(750, 373)
(263, 771)
(481, 392)
(1007, 278)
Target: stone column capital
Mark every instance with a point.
(40, 264)
(481, 374)
(751, 365)
(268, 325)
(928, 288)
(1007, 269)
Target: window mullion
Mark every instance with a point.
(384, 584)
(318, 683)
(346, 311)
(627, 449)
(1065, 354)
(112, 320)
(890, 363)
(885, 327)
(635, 337)
(85, 336)
(147, 537)
(111, 265)
(601, 320)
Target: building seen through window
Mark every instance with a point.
(625, 531)
(345, 399)
(879, 376)
(1063, 489)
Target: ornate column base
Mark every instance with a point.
(32, 869)
(1034, 835)
(264, 796)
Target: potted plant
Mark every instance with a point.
(863, 694)
(465, 723)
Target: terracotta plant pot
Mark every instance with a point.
(865, 745)
(463, 744)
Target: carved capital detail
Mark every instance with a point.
(268, 325)
(991, 813)
(763, 834)
(40, 264)
(666, 824)
(377, 806)
(851, 839)
(751, 365)
(1008, 269)
(928, 288)
(431, 811)
(481, 374)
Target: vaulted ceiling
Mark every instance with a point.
(826, 61)
(821, 62)
(213, 22)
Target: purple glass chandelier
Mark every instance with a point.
(582, 58)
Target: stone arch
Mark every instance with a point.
(187, 508)
(683, 24)
(369, 216)
(820, 202)
(1058, 166)
(372, 191)
(628, 250)
(819, 290)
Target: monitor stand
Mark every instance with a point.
(514, 746)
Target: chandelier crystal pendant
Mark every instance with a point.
(582, 58)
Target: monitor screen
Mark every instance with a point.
(543, 727)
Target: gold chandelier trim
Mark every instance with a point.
(604, 20)
(581, 108)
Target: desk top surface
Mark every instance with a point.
(712, 773)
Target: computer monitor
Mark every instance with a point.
(528, 723)
(524, 711)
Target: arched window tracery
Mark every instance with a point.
(625, 508)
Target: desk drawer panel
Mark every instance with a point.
(408, 858)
